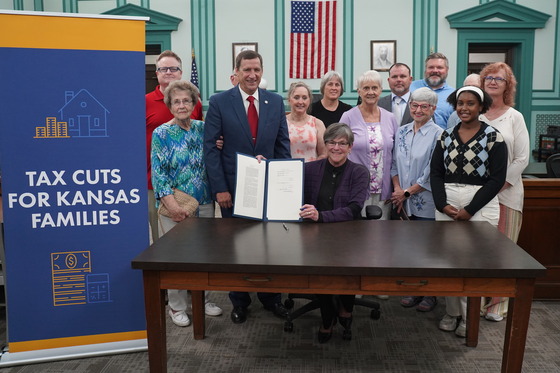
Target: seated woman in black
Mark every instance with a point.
(335, 190)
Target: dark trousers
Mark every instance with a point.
(330, 305)
(243, 299)
(226, 213)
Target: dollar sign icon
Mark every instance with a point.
(71, 261)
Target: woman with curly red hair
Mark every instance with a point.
(498, 81)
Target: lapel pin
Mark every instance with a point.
(265, 101)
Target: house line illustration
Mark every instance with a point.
(84, 115)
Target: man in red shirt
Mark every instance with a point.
(168, 69)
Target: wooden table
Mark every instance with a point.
(539, 232)
(536, 169)
(361, 257)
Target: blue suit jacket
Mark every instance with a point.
(227, 117)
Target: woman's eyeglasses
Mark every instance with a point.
(332, 144)
(424, 107)
(497, 79)
(181, 102)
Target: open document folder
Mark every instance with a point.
(269, 190)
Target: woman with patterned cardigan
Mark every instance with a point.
(467, 171)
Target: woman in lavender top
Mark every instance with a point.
(374, 131)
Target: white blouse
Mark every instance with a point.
(514, 130)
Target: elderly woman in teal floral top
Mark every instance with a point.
(178, 162)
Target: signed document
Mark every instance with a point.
(269, 190)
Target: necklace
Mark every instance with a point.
(300, 121)
(496, 112)
(370, 116)
(329, 105)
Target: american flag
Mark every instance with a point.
(313, 39)
(194, 71)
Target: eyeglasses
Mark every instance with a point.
(332, 144)
(173, 69)
(497, 79)
(424, 107)
(181, 102)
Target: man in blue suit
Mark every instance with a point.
(227, 117)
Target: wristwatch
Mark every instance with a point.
(406, 193)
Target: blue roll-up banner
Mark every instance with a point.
(72, 144)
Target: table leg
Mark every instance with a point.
(154, 301)
(473, 321)
(197, 297)
(517, 323)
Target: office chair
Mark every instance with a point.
(553, 165)
(373, 212)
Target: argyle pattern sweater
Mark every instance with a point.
(482, 160)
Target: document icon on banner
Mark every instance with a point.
(69, 270)
(269, 190)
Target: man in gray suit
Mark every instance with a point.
(251, 121)
(397, 102)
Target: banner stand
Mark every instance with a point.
(8, 359)
(74, 190)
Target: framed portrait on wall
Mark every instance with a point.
(240, 47)
(383, 54)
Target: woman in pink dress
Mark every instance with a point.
(306, 131)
